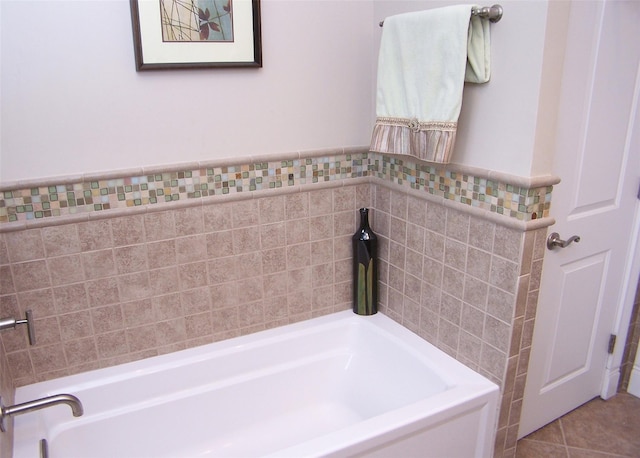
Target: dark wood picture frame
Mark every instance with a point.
(152, 52)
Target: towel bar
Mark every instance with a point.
(493, 13)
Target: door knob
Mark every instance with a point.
(554, 241)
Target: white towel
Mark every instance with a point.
(425, 58)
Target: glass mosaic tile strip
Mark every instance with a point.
(521, 203)
(115, 193)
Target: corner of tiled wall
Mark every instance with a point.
(465, 284)
(520, 345)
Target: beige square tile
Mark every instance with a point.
(70, 298)
(223, 295)
(137, 313)
(130, 259)
(167, 307)
(299, 279)
(472, 320)
(297, 231)
(106, 319)
(198, 326)
(127, 230)
(504, 274)
(164, 281)
(344, 223)
(94, 235)
(398, 231)
(112, 344)
(196, 300)
(75, 325)
(161, 254)
(159, 226)
(102, 292)
(245, 213)
(188, 221)
(48, 358)
(321, 202)
(457, 225)
(193, 275)
(298, 255)
(380, 223)
(31, 275)
(342, 248)
(252, 315)
(98, 264)
(416, 211)
(344, 199)
(245, 240)
(508, 243)
(322, 298)
(397, 254)
(434, 245)
(475, 292)
(61, 240)
(271, 209)
(500, 304)
(19, 363)
(453, 282)
(415, 237)
(171, 331)
(80, 351)
(497, 333)
(478, 264)
(192, 248)
(217, 217)
(24, 245)
(383, 199)
(225, 320)
(6, 281)
(481, 234)
(273, 235)
(141, 338)
(455, 254)
(134, 286)
(398, 207)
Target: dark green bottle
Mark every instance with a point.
(365, 269)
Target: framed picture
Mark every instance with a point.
(172, 34)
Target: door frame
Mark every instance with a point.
(624, 309)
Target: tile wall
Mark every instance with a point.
(460, 264)
(466, 284)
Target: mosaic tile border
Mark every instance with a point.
(39, 202)
(519, 202)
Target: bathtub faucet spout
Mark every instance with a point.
(18, 409)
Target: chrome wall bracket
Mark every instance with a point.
(11, 323)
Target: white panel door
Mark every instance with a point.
(597, 159)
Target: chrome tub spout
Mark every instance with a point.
(18, 409)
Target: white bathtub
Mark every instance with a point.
(339, 385)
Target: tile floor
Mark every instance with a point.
(598, 429)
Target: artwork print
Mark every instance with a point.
(187, 34)
(196, 20)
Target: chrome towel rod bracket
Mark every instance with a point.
(492, 13)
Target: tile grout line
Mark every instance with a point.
(564, 438)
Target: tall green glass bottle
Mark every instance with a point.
(365, 269)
